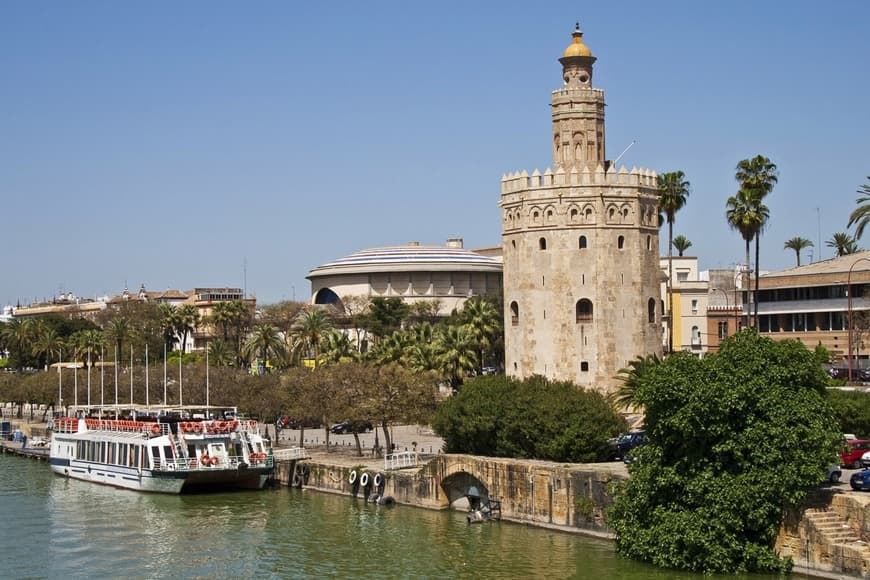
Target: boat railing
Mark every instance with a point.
(400, 460)
(289, 454)
(214, 462)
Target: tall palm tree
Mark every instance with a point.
(219, 353)
(757, 176)
(673, 191)
(456, 353)
(186, 322)
(484, 322)
(843, 244)
(264, 340)
(17, 334)
(168, 323)
(46, 341)
(307, 332)
(119, 330)
(681, 244)
(88, 344)
(798, 244)
(746, 215)
(861, 214)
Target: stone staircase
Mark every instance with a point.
(832, 544)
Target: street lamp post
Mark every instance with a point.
(849, 310)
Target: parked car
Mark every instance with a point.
(834, 474)
(294, 423)
(351, 427)
(852, 451)
(628, 441)
(860, 480)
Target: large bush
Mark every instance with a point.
(852, 410)
(733, 439)
(533, 419)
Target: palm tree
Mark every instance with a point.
(746, 215)
(46, 341)
(118, 330)
(168, 323)
(186, 322)
(219, 353)
(264, 340)
(632, 376)
(861, 214)
(757, 176)
(797, 244)
(338, 347)
(88, 344)
(484, 322)
(673, 191)
(455, 352)
(16, 334)
(843, 243)
(307, 332)
(681, 244)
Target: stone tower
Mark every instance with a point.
(581, 248)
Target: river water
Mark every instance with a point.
(51, 527)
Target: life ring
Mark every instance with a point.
(214, 461)
(352, 477)
(253, 425)
(205, 459)
(300, 471)
(379, 479)
(364, 480)
(220, 427)
(197, 428)
(155, 429)
(297, 480)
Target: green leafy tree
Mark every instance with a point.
(119, 330)
(681, 244)
(861, 214)
(535, 418)
(219, 353)
(798, 244)
(701, 496)
(16, 335)
(843, 244)
(674, 188)
(47, 342)
(384, 316)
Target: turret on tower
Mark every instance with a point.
(578, 111)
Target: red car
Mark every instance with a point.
(853, 449)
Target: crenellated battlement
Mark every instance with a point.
(522, 181)
(578, 92)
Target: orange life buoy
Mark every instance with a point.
(253, 425)
(155, 429)
(197, 428)
(205, 459)
(220, 426)
(214, 461)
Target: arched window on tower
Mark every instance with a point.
(542, 243)
(651, 311)
(515, 313)
(582, 242)
(620, 242)
(649, 242)
(584, 310)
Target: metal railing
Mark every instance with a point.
(400, 460)
(214, 462)
(289, 454)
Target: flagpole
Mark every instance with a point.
(102, 379)
(164, 373)
(147, 400)
(206, 375)
(89, 377)
(131, 376)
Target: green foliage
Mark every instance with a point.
(533, 419)
(852, 410)
(702, 495)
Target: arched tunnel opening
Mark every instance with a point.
(464, 491)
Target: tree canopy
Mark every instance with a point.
(702, 495)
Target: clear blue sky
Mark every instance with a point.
(173, 143)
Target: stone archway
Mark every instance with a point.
(458, 486)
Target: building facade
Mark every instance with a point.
(580, 248)
(444, 275)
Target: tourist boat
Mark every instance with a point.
(167, 450)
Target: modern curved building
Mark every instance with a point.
(449, 274)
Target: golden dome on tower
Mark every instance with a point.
(577, 48)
